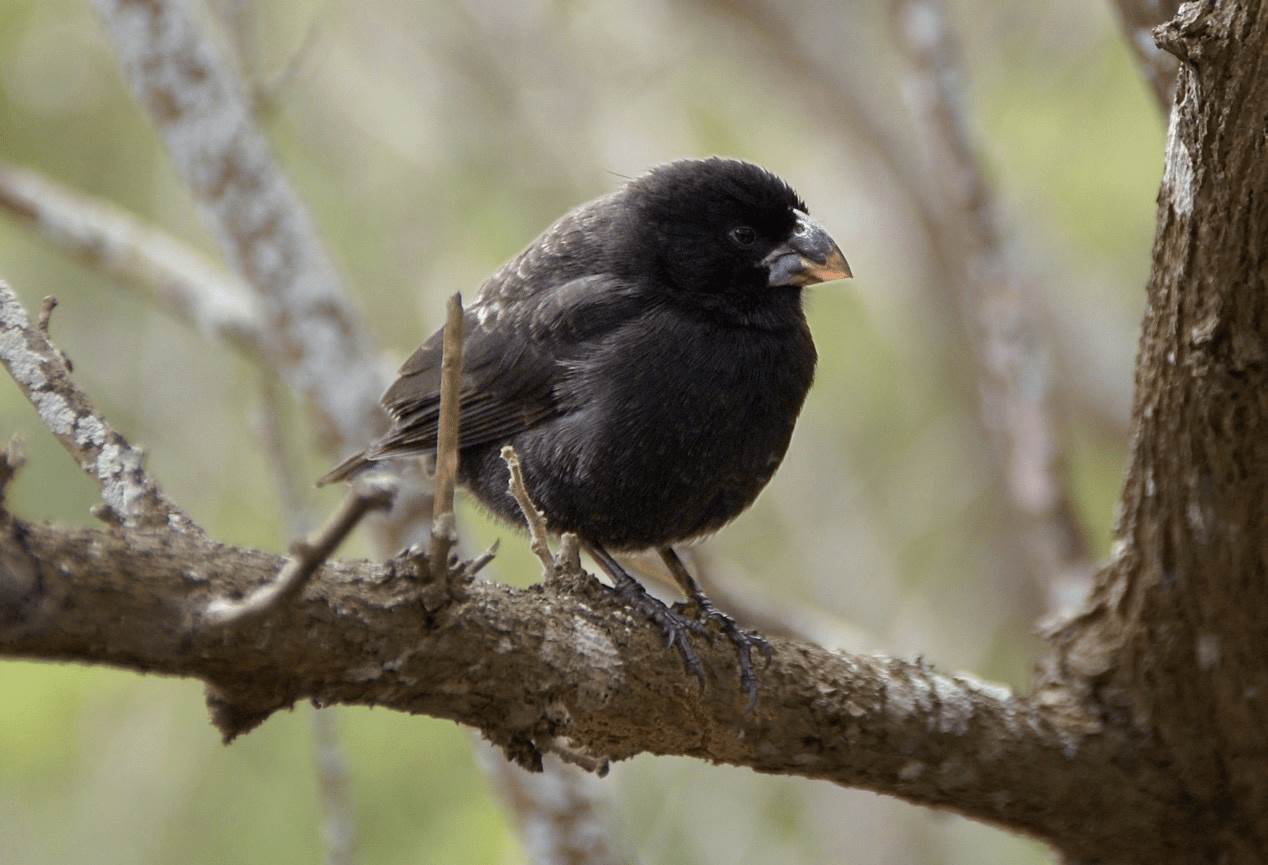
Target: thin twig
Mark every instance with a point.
(534, 519)
(139, 257)
(442, 529)
(40, 370)
(307, 557)
(1012, 363)
(44, 321)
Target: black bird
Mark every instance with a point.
(647, 356)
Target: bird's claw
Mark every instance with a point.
(702, 611)
(676, 627)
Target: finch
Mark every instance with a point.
(647, 356)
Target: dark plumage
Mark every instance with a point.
(647, 356)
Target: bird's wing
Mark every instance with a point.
(530, 318)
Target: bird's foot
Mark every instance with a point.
(676, 627)
(702, 611)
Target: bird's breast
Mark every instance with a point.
(684, 421)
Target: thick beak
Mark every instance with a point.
(809, 257)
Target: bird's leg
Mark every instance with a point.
(704, 610)
(675, 626)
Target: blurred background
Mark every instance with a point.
(432, 140)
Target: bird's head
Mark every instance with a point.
(723, 231)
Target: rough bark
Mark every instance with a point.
(1173, 643)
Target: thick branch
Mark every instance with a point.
(531, 665)
(40, 371)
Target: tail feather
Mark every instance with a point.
(349, 468)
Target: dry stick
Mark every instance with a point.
(138, 256)
(442, 526)
(533, 518)
(40, 370)
(307, 557)
(1015, 400)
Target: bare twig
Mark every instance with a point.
(442, 529)
(478, 564)
(1012, 364)
(41, 372)
(140, 257)
(534, 519)
(44, 321)
(46, 315)
(306, 558)
(1138, 18)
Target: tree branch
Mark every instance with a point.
(442, 528)
(306, 557)
(1173, 640)
(529, 665)
(40, 371)
(199, 108)
(534, 519)
(175, 276)
(1011, 359)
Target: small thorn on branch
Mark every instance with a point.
(307, 556)
(42, 323)
(533, 518)
(443, 534)
(476, 565)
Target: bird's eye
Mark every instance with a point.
(743, 235)
(799, 229)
